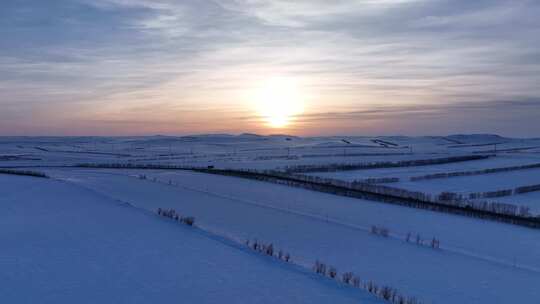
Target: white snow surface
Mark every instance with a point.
(313, 225)
(92, 235)
(65, 244)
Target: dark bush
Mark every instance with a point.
(188, 220)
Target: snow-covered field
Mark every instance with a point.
(96, 234)
(336, 230)
(531, 199)
(460, 184)
(476, 183)
(405, 173)
(62, 243)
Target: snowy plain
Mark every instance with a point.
(313, 226)
(66, 244)
(103, 222)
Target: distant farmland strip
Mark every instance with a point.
(474, 172)
(384, 143)
(355, 154)
(344, 154)
(454, 141)
(376, 165)
(501, 212)
(17, 157)
(23, 172)
(131, 166)
(505, 192)
(87, 152)
(476, 145)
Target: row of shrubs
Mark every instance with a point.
(275, 157)
(355, 154)
(129, 166)
(433, 243)
(344, 154)
(348, 278)
(172, 214)
(379, 180)
(474, 172)
(472, 202)
(23, 172)
(498, 207)
(387, 164)
(525, 189)
(387, 293)
(491, 194)
(385, 232)
(268, 249)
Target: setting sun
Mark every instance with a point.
(278, 101)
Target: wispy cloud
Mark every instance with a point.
(137, 60)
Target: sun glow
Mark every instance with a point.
(278, 101)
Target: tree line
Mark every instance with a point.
(375, 165)
(474, 172)
(23, 172)
(445, 202)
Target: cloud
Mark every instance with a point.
(116, 58)
(487, 116)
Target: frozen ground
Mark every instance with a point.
(476, 183)
(65, 244)
(405, 173)
(88, 228)
(318, 226)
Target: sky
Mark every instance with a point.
(304, 67)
